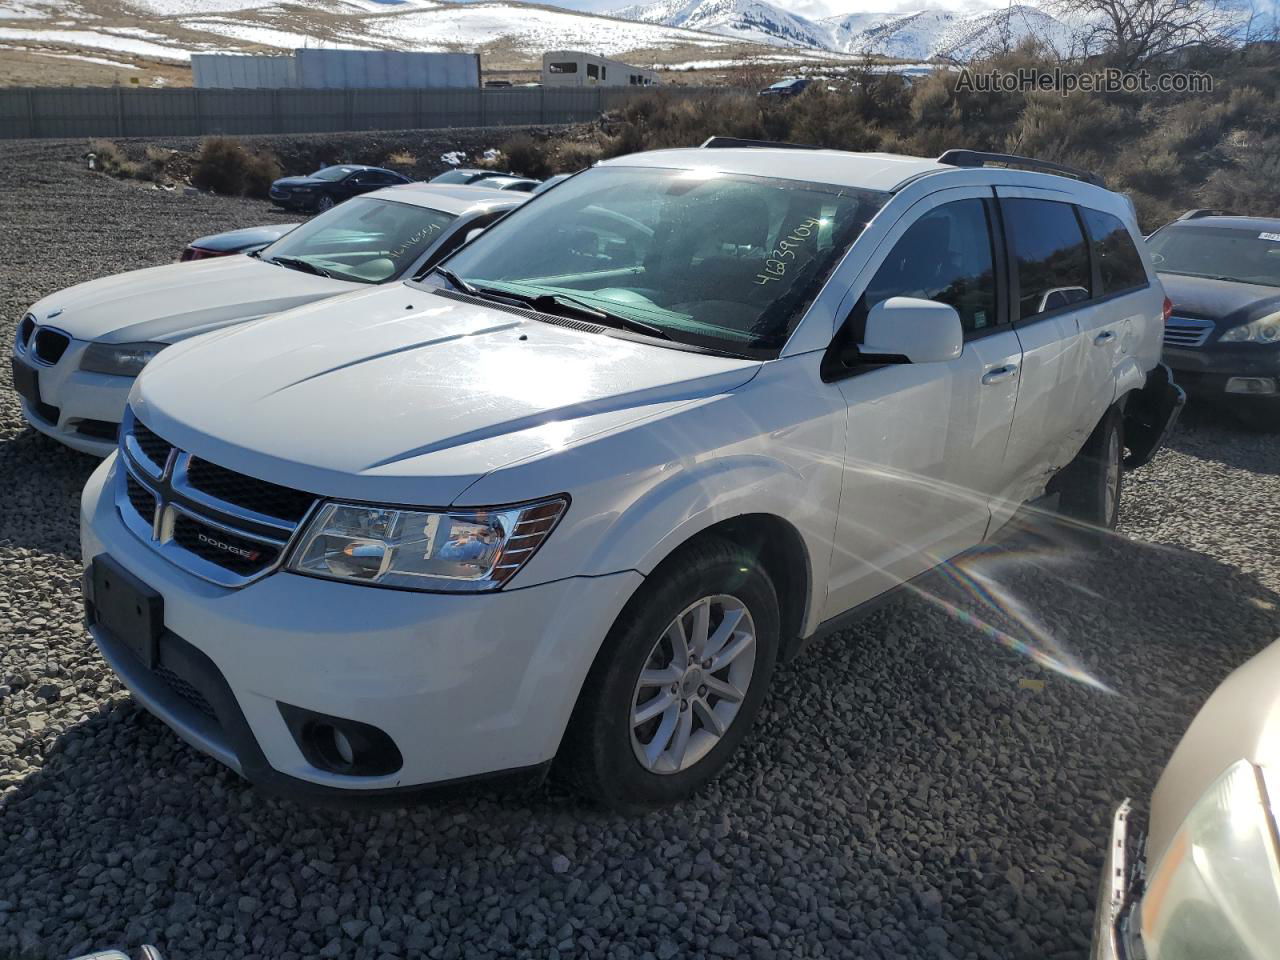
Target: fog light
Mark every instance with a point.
(342, 746)
(1254, 385)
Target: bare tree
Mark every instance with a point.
(1134, 32)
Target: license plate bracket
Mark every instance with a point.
(127, 609)
(26, 381)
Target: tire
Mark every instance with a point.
(1091, 484)
(632, 768)
(324, 203)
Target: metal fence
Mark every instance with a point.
(31, 112)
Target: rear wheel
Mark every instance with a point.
(678, 681)
(1091, 484)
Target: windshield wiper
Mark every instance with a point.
(294, 263)
(560, 303)
(457, 281)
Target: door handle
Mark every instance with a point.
(1000, 374)
(1106, 336)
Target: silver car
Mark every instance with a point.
(1206, 885)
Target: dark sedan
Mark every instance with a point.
(1222, 340)
(329, 186)
(784, 89)
(245, 240)
(461, 176)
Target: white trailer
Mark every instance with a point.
(574, 68)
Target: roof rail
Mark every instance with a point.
(713, 142)
(1206, 212)
(978, 158)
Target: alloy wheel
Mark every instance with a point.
(693, 683)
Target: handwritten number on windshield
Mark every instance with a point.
(775, 268)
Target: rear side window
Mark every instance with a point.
(944, 256)
(1050, 254)
(1119, 265)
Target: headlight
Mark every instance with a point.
(458, 550)
(1266, 330)
(1216, 891)
(121, 359)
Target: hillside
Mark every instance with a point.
(154, 38)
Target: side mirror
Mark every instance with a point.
(923, 331)
(472, 234)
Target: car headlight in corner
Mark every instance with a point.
(455, 550)
(121, 359)
(1266, 330)
(1216, 890)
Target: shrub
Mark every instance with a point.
(527, 157)
(576, 156)
(400, 158)
(111, 159)
(225, 166)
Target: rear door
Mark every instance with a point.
(1113, 326)
(926, 442)
(1051, 285)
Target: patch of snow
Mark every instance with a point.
(263, 35)
(76, 56)
(453, 158)
(99, 41)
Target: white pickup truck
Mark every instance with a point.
(574, 495)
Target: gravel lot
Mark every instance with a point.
(917, 787)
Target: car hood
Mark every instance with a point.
(1226, 302)
(402, 395)
(246, 237)
(181, 299)
(300, 182)
(1239, 721)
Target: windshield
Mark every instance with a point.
(456, 176)
(332, 173)
(1247, 256)
(716, 260)
(366, 239)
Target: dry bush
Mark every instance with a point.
(400, 158)
(573, 157)
(111, 159)
(527, 157)
(224, 165)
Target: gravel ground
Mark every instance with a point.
(917, 788)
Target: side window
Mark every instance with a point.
(1050, 254)
(944, 256)
(593, 71)
(1119, 264)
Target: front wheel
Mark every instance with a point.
(678, 681)
(324, 203)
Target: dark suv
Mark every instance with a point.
(1222, 273)
(329, 186)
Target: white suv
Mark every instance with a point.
(576, 493)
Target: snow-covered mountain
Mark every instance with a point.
(941, 33)
(914, 35)
(752, 20)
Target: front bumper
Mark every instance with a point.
(293, 201)
(465, 685)
(80, 409)
(1209, 371)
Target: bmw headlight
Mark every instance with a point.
(1266, 330)
(456, 550)
(121, 359)
(1216, 890)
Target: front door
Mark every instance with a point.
(926, 442)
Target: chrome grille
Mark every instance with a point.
(1186, 331)
(223, 526)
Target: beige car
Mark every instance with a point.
(1207, 885)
